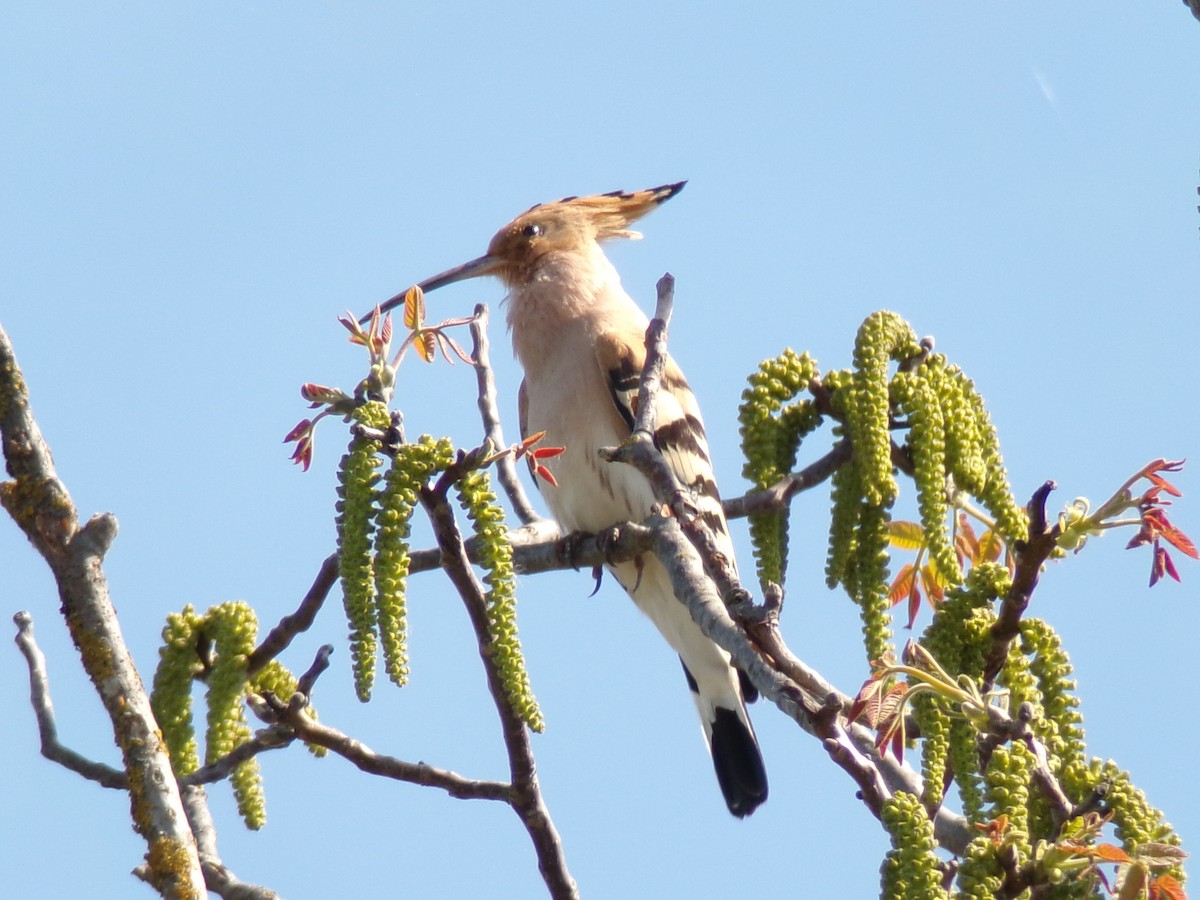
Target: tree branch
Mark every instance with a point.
(291, 714)
(299, 621)
(43, 707)
(1030, 554)
(219, 878)
(506, 470)
(779, 495)
(265, 739)
(526, 796)
(40, 505)
(702, 576)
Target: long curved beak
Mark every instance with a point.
(483, 265)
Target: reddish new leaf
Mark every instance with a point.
(903, 584)
(296, 433)
(935, 585)
(1179, 540)
(1168, 887)
(1109, 853)
(965, 540)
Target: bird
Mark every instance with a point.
(580, 339)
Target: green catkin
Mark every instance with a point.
(355, 525)
(233, 629)
(964, 444)
(411, 468)
(927, 447)
(479, 501)
(963, 754)
(845, 498)
(1060, 726)
(958, 638)
(870, 580)
(1006, 792)
(1016, 677)
(980, 876)
(1012, 522)
(171, 697)
(883, 337)
(1137, 822)
(911, 869)
(933, 720)
(772, 429)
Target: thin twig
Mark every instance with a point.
(218, 879)
(291, 713)
(506, 470)
(43, 707)
(779, 495)
(299, 621)
(265, 739)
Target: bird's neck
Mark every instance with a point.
(567, 297)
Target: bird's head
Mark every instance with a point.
(563, 226)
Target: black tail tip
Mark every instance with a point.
(739, 764)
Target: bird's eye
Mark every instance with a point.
(532, 231)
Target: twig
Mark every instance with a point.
(43, 707)
(526, 796)
(506, 470)
(1031, 554)
(41, 506)
(779, 495)
(265, 739)
(291, 713)
(299, 621)
(639, 451)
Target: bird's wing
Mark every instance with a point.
(679, 430)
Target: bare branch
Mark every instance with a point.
(779, 495)
(506, 470)
(526, 795)
(219, 879)
(265, 739)
(40, 505)
(1031, 554)
(291, 713)
(39, 697)
(299, 621)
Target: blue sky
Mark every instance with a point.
(192, 194)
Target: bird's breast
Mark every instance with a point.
(569, 400)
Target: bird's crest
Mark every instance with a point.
(569, 225)
(610, 214)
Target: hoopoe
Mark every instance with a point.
(580, 339)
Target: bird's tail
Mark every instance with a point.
(735, 754)
(739, 764)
